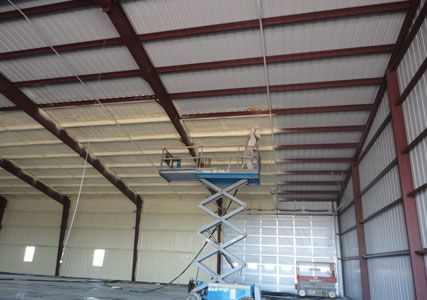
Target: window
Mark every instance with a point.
(29, 253)
(98, 257)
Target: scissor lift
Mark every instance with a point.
(221, 175)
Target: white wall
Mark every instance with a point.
(34, 220)
(104, 222)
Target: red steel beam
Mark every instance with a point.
(118, 17)
(407, 186)
(317, 146)
(62, 48)
(44, 9)
(16, 171)
(318, 160)
(24, 103)
(3, 204)
(217, 28)
(279, 88)
(214, 65)
(325, 129)
(282, 111)
(360, 232)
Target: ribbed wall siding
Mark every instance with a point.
(385, 191)
(168, 240)
(30, 221)
(100, 223)
(413, 57)
(382, 113)
(349, 244)
(421, 199)
(352, 280)
(390, 278)
(386, 232)
(382, 153)
(348, 194)
(418, 157)
(347, 219)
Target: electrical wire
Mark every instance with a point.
(267, 84)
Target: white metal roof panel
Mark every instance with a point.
(69, 26)
(317, 138)
(91, 90)
(295, 99)
(147, 130)
(314, 166)
(305, 37)
(296, 72)
(4, 102)
(315, 153)
(16, 119)
(5, 5)
(161, 15)
(123, 113)
(109, 59)
(323, 119)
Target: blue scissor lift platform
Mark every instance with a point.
(222, 175)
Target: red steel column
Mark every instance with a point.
(3, 203)
(138, 213)
(360, 233)
(406, 185)
(63, 228)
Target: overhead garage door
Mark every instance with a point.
(274, 244)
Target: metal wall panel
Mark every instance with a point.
(382, 153)
(382, 113)
(421, 199)
(418, 156)
(414, 57)
(349, 244)
(386, 232)
(415, 109)
(102, 222)
(352, 280)
(382, 193)
(347, 219)
(30, 221)
(390, 278)
(348, 194)
(168, 240)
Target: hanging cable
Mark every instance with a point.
(267, 85)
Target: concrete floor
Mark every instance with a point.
(43, 287)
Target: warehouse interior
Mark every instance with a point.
(94, 91)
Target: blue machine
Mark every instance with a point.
(221, 175)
